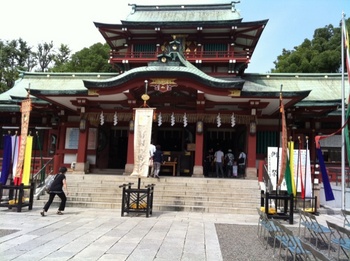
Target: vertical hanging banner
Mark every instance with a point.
(284, 141)
(15, 149)
(292, 167)
(26, 107)
(142, 140)
(304, 159)
(27, 160)
(6, 161)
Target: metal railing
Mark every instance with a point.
(192, 55)
(43, 168)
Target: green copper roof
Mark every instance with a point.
(184, 69)
(52, 83)
(188, 13)
(323, 86)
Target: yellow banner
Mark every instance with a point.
(291, 162)
(27, 160)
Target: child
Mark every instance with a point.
(234, 169)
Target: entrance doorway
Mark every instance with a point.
(118, 149)
(224, 139)
(112, 148)
(176, 144)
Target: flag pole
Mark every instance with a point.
(342, 116)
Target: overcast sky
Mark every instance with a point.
(71, 21)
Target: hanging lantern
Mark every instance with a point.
(199, 127)
(131, 125)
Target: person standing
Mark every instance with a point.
(57, 189)
(229, 159)
(219, 159)
(152, 150)
(157, 161)
(234, 169)
(208, 162)
(241, 163)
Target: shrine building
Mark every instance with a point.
(191, 61)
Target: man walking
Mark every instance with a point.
(219, 159)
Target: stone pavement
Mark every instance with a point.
(95, 234)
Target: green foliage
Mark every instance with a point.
(17, 56)
(45, 55)
(62, 56)
(322, 54)
(92, 59)
(14, 55)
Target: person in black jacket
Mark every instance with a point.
(157, 161)
(57, 189)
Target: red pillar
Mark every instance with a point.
(58, 158)
(82, 149)
(251, 156)
(130, 156)
(81, 165)
(261, 171)
(198, 156)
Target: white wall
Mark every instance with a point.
(337, 195)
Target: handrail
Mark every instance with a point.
(267, 180)
(36, 164)
(36, 174)
(189, 55)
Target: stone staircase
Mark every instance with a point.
(235, 196)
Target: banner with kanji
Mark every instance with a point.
(142, 140)
(300, 172)
(26, 107)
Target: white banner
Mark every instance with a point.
(299, 169)
(142, 140)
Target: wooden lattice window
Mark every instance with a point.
(215, 49)
(144, 50)
(265, 139)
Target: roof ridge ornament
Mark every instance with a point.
(233, 3)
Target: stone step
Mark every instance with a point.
(161, 206)
(173, 200)
(119, 180)
(156, 207)
(161, 185)
(170, 193)
(166, 190)
(207, 197)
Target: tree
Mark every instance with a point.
(92, 59)
(14, 55)
(17, 55)
(62, 56)
(322, 54)
(45, 55)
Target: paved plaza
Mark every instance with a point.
(95, 234)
